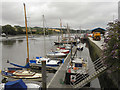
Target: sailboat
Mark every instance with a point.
(56, 54)
(3, 35)
(32, 36)
(66, 40)
(22, 74)
(63, 51)
(49, 62)
(58, 42)
(60, 52)
(62, 48)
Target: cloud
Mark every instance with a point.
(60, 0)
(85, 14)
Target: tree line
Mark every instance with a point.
(18, 30)
(9, 30)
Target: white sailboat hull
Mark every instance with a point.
(56, 55)
(49, 62)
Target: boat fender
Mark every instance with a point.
(8, 61)
(70, 50)
(58, 48)
(69, 70)
(37, 57)
(75, 68)
(62, 60)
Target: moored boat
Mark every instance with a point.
(79, 47)
(56, 54)
(64, 51)
(65, 46)
(66, 40)
(21, 74)
(61, 47)
(76, 69)
(49, 62)
(3, 35)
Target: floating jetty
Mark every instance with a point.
(59, 76)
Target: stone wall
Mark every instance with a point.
(107, 80)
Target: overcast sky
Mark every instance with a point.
(77, 13)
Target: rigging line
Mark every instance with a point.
(50, 40)
(30, 30)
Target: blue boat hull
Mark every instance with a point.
(51, 65)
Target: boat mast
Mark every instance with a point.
(61, 28)
(58, 37)
(26, 34)
(68, 32)
(80, 31)
(44, 37)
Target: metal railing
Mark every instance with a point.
(94, 70)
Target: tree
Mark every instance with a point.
(8, 30)
(112, 45)
(19, 29)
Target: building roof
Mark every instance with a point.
(97, 29)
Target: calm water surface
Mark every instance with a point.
(14, 50)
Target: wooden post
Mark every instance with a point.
(44, 37)
(43, 75)
(26, 34)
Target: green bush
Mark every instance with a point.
(112, 46)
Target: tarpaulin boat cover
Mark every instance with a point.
(15, 84)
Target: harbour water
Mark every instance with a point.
(14, 50)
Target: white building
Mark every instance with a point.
(119, 10)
